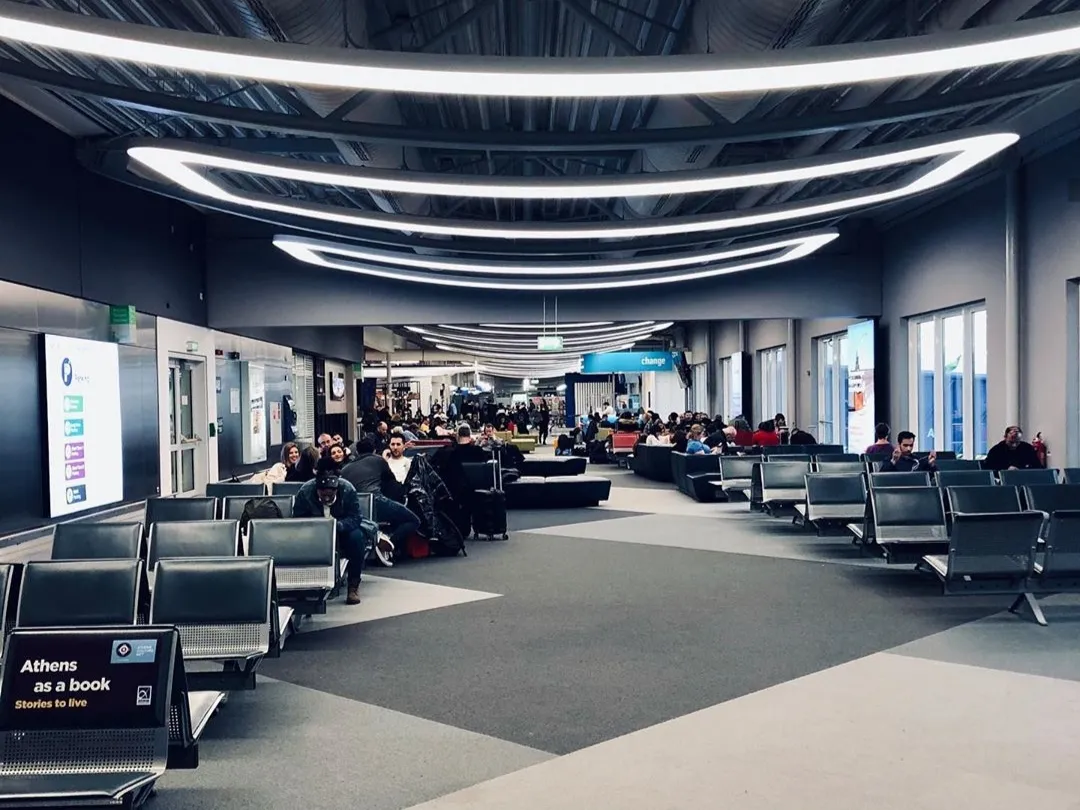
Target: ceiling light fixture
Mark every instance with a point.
(486, 355)
(566, 330)
(528, 342)
(183, 169)
(439, 74)
(540, 328)
(168, 157)
(342, 256)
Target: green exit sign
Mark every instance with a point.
(549, 343)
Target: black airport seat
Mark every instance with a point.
(235, 489)
(10, 579)
(833, 458)
(942, 455)
(653, 462)
(833, 498)
(990, 553)
(822, 449)
(552, 467)
(736, 472)
(957, 464)
(80, 593)
(97, 541)
(193, 538)
(825, 464)
(1059, 571)
(175, 509)
(783, 483)
(289, 488)
(899, 479)
(233, 508)
(690, 473)
(1071, 475)
(1025, 478)
(786, 450)
(983, 499)
(93, 756)
(557, 492)
(965, 478)
(305, 558)
(787, 457)
(908, 520)
(224, 610)
(1051, 498)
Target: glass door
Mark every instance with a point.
(184, 442)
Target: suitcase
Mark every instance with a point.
(489, 506)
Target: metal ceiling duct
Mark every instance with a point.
(949, 16)
(331, 23)
(730, 27)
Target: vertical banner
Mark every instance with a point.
(122, 324)
(860, 395)
(253, 412)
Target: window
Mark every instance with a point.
(947, 352)
(772, 370)
(723, 393)
(832, 390)
(304, 395)
(699, 391)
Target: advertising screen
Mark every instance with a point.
(87, 679)
(82, 410)
(861, 397)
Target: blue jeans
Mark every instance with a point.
(401, 520)
(353, 546)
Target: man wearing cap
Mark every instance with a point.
(329, 495)
(1012, 452)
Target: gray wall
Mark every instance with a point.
(951, 255)
(251, 283)
(69, 231)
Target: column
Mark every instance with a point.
(1012, 296)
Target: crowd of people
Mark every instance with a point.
(418, 500)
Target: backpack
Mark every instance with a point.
(259, 509)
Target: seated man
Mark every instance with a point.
(1012, 453)
(330, 496)
(397, 460)
(370, 473)
(903, 461)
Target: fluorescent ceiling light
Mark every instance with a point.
(184, 168)
(488, 355)
(405, 372)
(542, 328)
(581, 330)
(340, 256)
(478, 340)
(173, 157)
(356, 69)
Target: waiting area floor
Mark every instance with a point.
(654, 653)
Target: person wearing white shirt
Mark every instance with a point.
(397, 460)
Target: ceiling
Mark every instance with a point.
(109, 105)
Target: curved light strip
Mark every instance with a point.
(967, 152)
(532, 78)
(317, 252)
(540, 328)
(171, 160)
(476, 340)
(482, 355)
(561, 329)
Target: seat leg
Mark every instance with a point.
(1032, 604)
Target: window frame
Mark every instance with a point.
(772, 381)
(942, 426)
(829, 351)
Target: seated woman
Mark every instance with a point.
(766, 435)
(285, 470)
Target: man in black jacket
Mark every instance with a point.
(370, 473)
(903, 461)
(1012, 453)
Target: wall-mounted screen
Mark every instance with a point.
(337, 386)
(861, 397)
(734, 405)
(82, 410)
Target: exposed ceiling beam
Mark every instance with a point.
(545, 141)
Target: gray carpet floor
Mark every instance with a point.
(592, 639)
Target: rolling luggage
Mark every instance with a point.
(489, 506)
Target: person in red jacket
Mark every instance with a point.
(766, 435)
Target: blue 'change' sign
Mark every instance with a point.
(628, 362)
